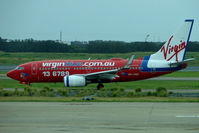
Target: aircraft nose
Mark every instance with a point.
(11, 74)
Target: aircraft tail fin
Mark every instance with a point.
(174, 49)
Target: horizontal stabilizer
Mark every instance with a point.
(182, 62)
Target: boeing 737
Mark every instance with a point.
(170, 58)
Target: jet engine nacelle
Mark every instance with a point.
(74, 81)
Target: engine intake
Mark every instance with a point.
(74, 81)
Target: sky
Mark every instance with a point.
(83, 20)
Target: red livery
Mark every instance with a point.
(169, 58)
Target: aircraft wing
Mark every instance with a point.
(110, 74)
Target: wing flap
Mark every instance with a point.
(110, 74)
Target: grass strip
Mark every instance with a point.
(98, 99)
(143, 84)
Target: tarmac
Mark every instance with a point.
(93, 117)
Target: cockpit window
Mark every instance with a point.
(19, 68)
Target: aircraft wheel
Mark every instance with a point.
(99, 86)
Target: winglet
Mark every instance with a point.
(129, 62)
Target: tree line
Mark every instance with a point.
(97, 46)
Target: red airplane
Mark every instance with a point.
(169, 58)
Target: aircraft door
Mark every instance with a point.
(34, 69)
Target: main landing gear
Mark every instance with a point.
(99, 86)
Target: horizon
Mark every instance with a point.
(84, 41)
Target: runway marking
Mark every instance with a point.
(187, 116)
